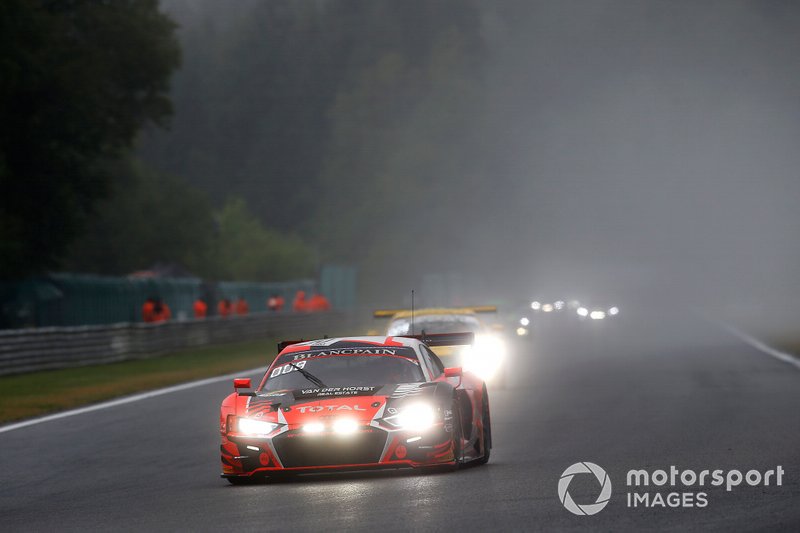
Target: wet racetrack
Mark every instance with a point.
(639, 393)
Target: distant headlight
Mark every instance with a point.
(613, 311)
(582, 311)
(547, 308)
(597, 315)
(524, 321)
(536, 306)
(414, 417)
(522, 331)
(256, 427)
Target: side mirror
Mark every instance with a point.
(242, 383)
(453, 372)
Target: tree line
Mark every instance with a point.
(247, 140)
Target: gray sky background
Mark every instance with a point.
(652, 144)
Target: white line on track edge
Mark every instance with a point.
(759, 345)
(127, 399)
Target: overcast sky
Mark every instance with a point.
(651, 143)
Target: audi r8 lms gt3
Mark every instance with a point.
(486, 357)
(353, 403)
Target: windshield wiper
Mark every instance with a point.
(309, 376)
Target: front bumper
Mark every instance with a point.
(369, 447)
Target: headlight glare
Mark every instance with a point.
(485, 357)
(415, 417)
(345, 426)
(256, 427)
(314, 427)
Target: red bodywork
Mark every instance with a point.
(461, 431)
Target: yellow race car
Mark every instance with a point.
(485, 358)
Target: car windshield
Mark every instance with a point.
(441, 324)
(344, 371)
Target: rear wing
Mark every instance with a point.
(389, 313)
(484, 309)
(443, 339)
(431, 339)
(284, 344)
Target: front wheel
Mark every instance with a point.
(487, 429)
(457, 436)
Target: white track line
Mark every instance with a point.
(760, 346)
(127, 399)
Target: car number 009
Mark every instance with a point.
(285, 369)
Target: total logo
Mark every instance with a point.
(602, 498)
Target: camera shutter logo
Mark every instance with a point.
(591, 508)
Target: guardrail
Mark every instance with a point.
(30, 350)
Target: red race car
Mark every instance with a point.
(356, 403)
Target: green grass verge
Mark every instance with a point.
(39, 393)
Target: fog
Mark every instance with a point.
(653, 149)
(644, 151)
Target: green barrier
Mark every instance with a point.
(339, 284)
(80, 299)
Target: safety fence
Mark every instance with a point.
(81, 300)
(34, 349)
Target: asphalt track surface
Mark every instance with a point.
(635, 394)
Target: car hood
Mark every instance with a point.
(363, 403)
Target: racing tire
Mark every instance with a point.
(458, 437)
(487, 429)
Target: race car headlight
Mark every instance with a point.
(314, 427)
(345, 426)
(485, 356)
(415, 417)
(255, 427)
